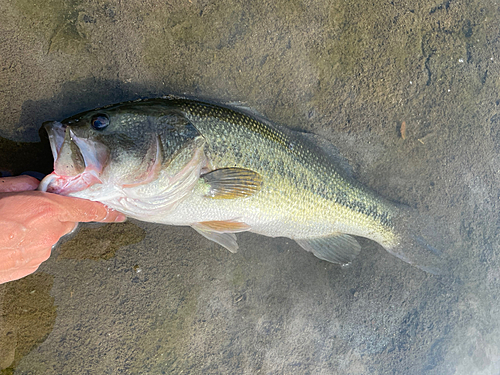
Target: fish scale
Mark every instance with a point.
(302, 170)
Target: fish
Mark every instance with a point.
(225, 169)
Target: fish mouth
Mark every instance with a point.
(78, 162)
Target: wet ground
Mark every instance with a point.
(409, 93)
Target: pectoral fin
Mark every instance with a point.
(230, 183)
(221, 232)
(336, 248)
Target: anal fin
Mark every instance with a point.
(336, 248)
(221, 232)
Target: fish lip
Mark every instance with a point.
(94, 157)
(56, 132)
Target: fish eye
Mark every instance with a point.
(100, 121)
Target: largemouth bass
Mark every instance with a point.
(222, 171)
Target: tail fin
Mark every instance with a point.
(422, 242)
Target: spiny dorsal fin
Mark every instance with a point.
(230, 183)
(336, 248)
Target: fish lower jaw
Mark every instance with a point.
(65, 185)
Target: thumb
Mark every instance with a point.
(71, 209)
(82, 210)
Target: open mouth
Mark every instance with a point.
(78, 162)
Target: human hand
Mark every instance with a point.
(19, 183)
(32, 222)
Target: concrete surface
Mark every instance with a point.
(139, 298)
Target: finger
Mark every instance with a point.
(66, 209)
(18, 183)
(83, 210)
(41, 257)
(51, 236)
